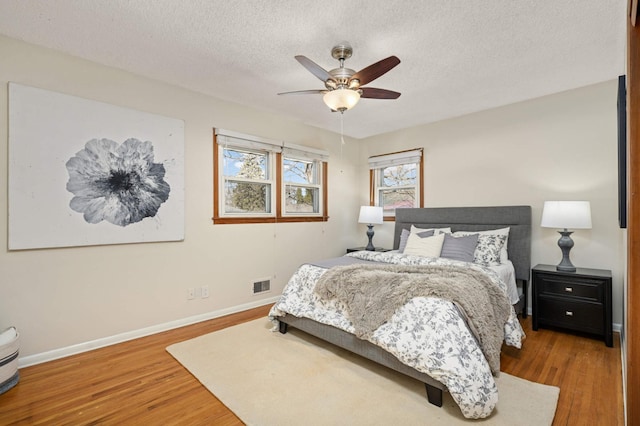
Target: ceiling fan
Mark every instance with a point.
(343, 86)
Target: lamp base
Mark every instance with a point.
(370, 246)
(566, 268)
(565, 243)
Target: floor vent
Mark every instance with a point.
(261, 286)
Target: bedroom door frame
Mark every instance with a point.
(632, 306)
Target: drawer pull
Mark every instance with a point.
(568, 289)
(569, 313)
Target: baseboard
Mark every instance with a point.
(135, 334)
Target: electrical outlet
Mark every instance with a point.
(204, 291)
(191, 293)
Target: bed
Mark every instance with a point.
(441, 347)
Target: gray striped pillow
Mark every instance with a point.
(459, 248)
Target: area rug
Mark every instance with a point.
(267, 378)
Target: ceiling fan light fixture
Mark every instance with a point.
(341, 99)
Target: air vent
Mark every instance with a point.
(261, 286)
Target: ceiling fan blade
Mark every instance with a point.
(314, 68)
(374, 71)
(303, 92)
(372, 92)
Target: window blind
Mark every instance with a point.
(405, 157)
(304, 153)
(241, 140)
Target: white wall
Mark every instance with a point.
(559, 147)
(69, 296)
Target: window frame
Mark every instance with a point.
(275, 156)
(395, 158)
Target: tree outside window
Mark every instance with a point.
(301, 186)
(397, 188)
(245, 189)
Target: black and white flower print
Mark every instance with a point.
(118, 183)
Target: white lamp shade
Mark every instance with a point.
(341, 99)
(370, 214)
(566, 215)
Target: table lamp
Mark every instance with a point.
(370, 215)
(566, 215)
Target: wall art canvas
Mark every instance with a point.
(83, 172)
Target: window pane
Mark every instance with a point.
(400, 175)
(245, 197)
(300, 199)
(391, 199)
(299, 171)
(245, 164)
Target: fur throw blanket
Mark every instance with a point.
(372, 294)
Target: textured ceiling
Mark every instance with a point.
(458, 56)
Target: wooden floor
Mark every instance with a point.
(138, 382)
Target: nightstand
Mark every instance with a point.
(579, 301)
(378, 249)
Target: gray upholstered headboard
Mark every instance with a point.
(518, 218)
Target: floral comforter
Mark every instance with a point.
(427, 334)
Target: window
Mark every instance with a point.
(303, 180)
(260, 180)
(396, 181)
(247, 181)
(301, 189)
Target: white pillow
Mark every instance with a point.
(405, 235)
(504, 255)
(436, 231)
(425, 247)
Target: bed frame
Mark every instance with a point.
(518, 218)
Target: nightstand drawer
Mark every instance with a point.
(582, 316)
(583, 288)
